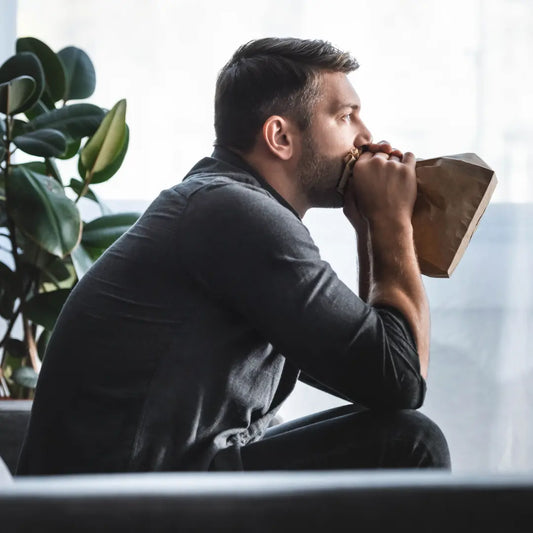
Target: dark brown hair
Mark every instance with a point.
(271, 76)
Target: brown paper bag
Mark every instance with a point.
(453, 193)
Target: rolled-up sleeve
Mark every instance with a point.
(258, 259)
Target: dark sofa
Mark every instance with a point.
(257, 502)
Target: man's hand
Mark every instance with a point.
(379, 201)
(383, 187)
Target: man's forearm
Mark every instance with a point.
(395, 280)
(363, 260)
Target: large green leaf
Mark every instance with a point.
(81, 260)
(24, 64)
(41, 211)
(25, 376)
(74, 121)
(42, 343)
(54, 72)
(42, 143)
(16, 95)
(106, 145)
(44, 308)
(80, 73)
(110, 170)
(104, 231)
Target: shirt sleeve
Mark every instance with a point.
(257, 258)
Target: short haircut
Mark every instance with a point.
(271, 76)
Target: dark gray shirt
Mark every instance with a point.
(188, 334)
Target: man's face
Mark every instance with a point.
(335, 128)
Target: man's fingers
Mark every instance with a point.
(382, 146)
(385, 147)
(409, 158)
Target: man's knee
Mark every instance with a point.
(422, 440)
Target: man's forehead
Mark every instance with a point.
(338, 92)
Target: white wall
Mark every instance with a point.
(437, 77)
(8, 28)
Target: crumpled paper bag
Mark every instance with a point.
(453, 193)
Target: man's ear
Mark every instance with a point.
(278, 134)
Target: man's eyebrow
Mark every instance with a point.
(343, 105)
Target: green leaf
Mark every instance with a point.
(24, 64)
(44, 308)
(52, 170)
(81, 260)
(80, 73)
(73, 146)
(106, 145)
(57, 271)
(3, 215)
(16, 348)
(37, 109)
(104, 231)
(42, 143)
(77, 187)
(93, 252)
(2, 152)
(25, 376)
(111, 170)
(8, 290)
(42, 343)
(54, 72)
(33, 258)
(16, 95)
(41, 211)
(46, 167)
(74, 121)
(19, 128)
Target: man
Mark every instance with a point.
(178, 347)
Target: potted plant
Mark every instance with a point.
(45, 246)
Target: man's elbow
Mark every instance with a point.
(406, 391)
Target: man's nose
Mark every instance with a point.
(363, 136)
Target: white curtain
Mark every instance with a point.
(436, 78)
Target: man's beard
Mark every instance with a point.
(318, 176)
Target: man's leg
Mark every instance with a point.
(350, 437)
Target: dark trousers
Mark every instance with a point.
(350, 437)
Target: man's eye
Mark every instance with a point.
(347, 118)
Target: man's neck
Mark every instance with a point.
(280, 177)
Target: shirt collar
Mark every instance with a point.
(221, 153)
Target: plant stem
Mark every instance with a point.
(4, 389)
(32, 346)
(87, 182)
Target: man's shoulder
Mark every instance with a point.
(213, 182)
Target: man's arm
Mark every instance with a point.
(256, 258)
(363, 261)
(383, 192)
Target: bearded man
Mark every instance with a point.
(178, 347)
